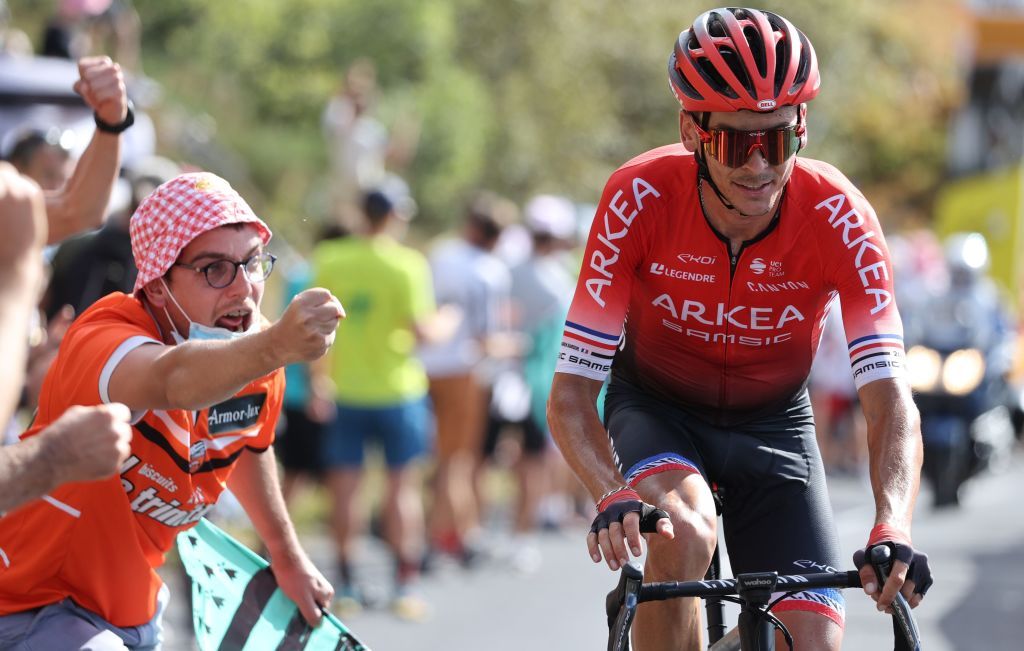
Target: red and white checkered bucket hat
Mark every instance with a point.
(179, 211)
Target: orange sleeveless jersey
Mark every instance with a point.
(100, 542)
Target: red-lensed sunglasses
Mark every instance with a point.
(733, 148)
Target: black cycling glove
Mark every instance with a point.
(614, 506)
(902, 550)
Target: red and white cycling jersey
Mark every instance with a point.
(661, 300)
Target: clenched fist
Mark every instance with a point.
(306, 329)
(101, 85)
(88, 443)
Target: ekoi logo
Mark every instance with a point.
(758, 266)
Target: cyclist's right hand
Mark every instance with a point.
(306, 329)
(621, 517)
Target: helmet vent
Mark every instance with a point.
(716, 28)
(805, 65)
(756, 48)
(715, 79)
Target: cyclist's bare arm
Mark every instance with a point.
(82, 203)
(198, 374)
(583, 441)
(895, 454)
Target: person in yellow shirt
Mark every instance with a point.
(379, 389)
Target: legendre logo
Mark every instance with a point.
(235, 414)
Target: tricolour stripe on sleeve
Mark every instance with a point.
(875, 357)
(586, 351)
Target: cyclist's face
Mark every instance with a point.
(233, 307)
(755, 187)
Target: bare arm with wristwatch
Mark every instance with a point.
(82, 203)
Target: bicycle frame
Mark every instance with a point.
(755, 627)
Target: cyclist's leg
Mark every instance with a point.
(656, 456)
(684, 495)
(777, 516)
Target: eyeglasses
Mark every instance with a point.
(733, 148)
(221, 273)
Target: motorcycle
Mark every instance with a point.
(966, 419)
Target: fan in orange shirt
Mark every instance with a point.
(190, 355)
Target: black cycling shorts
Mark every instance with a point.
(776, 513)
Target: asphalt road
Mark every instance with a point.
(977, 555)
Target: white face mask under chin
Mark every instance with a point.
(200, 332)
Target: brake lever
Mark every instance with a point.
(908, 633)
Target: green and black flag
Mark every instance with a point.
(237, 606)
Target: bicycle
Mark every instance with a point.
(753, 592)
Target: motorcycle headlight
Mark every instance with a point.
(963, 371)
(924, 367)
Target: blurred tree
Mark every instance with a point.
(528, 95)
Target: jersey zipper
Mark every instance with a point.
(723, 390)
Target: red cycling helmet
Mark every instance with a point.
(732, 59)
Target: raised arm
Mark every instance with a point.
(21, 268)
(82, 203)
(195, 375)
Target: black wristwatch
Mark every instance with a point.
(106, 127)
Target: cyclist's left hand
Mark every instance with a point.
(909, 575)
(304, 585)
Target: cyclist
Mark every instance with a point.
(189, 354)
(708, 272)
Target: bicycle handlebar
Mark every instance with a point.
(621, 603)
(724, 587)
(902, 619)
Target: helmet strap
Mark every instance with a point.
(704, 174)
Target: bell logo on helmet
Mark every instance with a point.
(766, 105)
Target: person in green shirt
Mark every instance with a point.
(379, 390)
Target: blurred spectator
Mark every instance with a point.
(300, 442)
(971, 313)
(13, 41)
(360, 147)
(117, 31)
(64, 36)
(841, 430)
(470, 279)
(541, 288)
(88, 267)
(44, 156)
(379, 391)
(83, 27)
